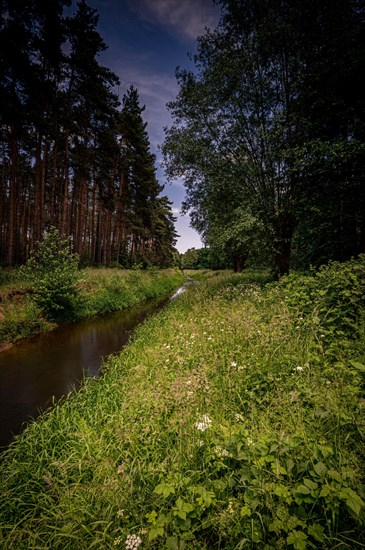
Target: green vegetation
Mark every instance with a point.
(100, 291)
(54, 273)
(71, 155)
(268, 130)
(234, 419)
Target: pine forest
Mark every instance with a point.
(71, 156)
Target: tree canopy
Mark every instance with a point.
(268, 132)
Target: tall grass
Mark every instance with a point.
(235, 419)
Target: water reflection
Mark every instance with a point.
(51, 365)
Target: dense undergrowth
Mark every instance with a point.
(101, 291)
(235, 419)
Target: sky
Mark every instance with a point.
(147, 40)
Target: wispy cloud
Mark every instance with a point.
(186, 19)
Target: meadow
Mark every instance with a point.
(234, 419)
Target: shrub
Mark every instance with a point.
(53, 271)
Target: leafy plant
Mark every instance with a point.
(53, 271)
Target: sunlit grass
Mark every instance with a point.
(224, 424)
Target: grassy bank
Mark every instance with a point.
(102, 291)
(235, 419)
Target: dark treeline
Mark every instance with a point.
(269, 133)
(70, 156)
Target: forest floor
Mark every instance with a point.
(102, 290)
(234, 418)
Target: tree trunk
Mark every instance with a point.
(13, 184)
(284, 228)
(239, 263)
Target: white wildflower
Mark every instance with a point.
(204, 424)
(233, 364)
(249, 442)
(299, 368)
(220, 452)
(132, 542)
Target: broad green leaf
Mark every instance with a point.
(297, 539)
(320, 469)
(316, 531)
(155, 532)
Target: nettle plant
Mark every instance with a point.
(53, 271)
(267, 493)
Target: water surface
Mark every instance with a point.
(35, 372)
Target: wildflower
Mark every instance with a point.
(117, 541)
(249, 442)
(230, 508)
(239, 417)
(220, 452)
(299, 368)
(233, 364)
(120, 513)
(204, 424)
(132, 542)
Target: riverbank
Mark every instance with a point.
(103, 290)
(235, 418)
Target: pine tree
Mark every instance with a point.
(143, 187)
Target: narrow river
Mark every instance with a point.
(35, 372)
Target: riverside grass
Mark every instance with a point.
(234, 419)
(102, 290)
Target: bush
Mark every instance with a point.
(53, 272)
(335, 294)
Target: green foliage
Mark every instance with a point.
(203, 258)
(107, 290)
(21, 322)
(53, 271)
(100, 290)
(229, 422)
(270, 137)
(334, 296)
(150, 222)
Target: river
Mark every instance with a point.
(36, 372)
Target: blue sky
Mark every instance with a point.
(147, 40)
